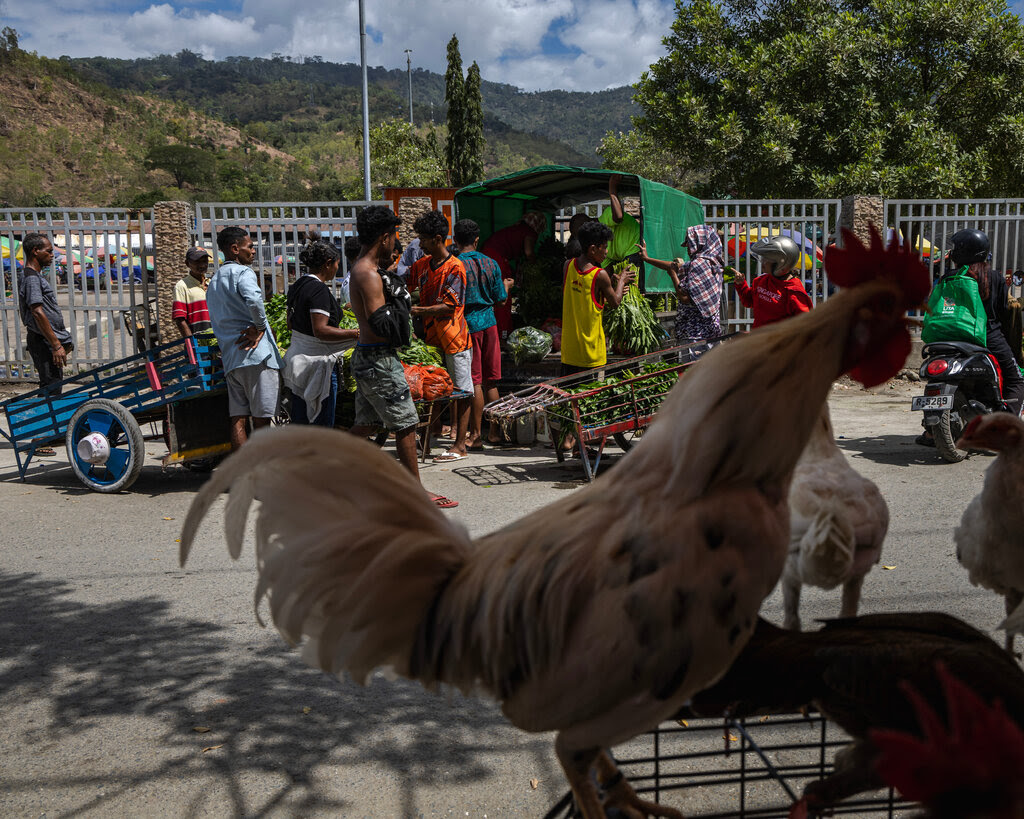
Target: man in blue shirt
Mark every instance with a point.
(251, 359)
(485, 288)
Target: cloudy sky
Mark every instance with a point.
(582, 45)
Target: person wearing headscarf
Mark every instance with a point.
(698, 284)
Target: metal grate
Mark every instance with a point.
(812, 223)
(747, 770)
(102, 271)
(279, 230)
(930, 223)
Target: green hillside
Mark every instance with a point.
(130, 132)
(252, 89)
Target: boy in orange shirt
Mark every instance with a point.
(441, 279)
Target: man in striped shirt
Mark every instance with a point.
(189, 311)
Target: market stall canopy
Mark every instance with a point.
(665, 213)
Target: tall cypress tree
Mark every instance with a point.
(454, 97)
(473, 122)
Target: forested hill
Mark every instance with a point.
(283, 93)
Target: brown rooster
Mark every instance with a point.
(853, 671)
(598, 616)
(990, 537)
(838, 520)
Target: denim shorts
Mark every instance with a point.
(382, 393)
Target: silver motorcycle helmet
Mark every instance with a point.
(779, 251)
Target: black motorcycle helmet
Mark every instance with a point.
(969, 246)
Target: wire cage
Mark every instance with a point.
(749, 769)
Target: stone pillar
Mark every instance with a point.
(860, 211)
(172, 237)
(410, 209)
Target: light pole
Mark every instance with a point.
(366, 104)
(408, 68)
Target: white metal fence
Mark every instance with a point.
(812, 223)
(929, 225)
(102, 275)
(279, 230)
(104, 263)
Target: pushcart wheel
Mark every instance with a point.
(628, 440)
(105, 445)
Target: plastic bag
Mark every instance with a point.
(436, 383)
(955, 312)
(528, 344)
(414, 375)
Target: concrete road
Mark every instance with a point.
(131, 687)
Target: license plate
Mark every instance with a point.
(932, 402)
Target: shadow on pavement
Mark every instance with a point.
(267, 713)
(895, 450)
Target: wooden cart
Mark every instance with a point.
(617, 401)
(98, 414)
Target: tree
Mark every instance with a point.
(454, 97)
(831, 97)
(8, 45)
(402, 159)
(188, 166)
(473, 127)
(636, 152)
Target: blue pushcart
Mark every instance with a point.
(98, 415)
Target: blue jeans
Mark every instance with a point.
(326, 416)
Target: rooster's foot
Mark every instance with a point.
(619, 794)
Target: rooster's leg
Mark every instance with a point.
(1013, 599)
(854, 773)
(851, 596)
(791, 603)
(620, 793)
(577, 765)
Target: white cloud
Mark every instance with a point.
(616, 40)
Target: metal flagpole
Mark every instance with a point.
(366, 104)
(408, 68)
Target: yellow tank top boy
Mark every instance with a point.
(583, 341)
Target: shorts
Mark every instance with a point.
(382, 393)
(460, 368)
(486, 356)
(254, 391)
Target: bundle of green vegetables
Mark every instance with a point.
(632, 328)
(419, 352)
(276, 308)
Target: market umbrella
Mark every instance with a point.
(5, 244)
(922, 245)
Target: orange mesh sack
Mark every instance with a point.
(436, 383)
(414, 376)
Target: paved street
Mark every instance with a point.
(132, 687)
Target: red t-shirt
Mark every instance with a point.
(773, 299)
(445, 285)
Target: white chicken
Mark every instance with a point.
(990, 537)
(838, 520)
(597, 616)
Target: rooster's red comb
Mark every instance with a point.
(854, 264)
(983, 749)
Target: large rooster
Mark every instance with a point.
(990, 537)
(838, 520)
(598, 616)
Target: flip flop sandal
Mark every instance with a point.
(445, 503)
(448, 456)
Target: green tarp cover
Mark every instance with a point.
(665, 213)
